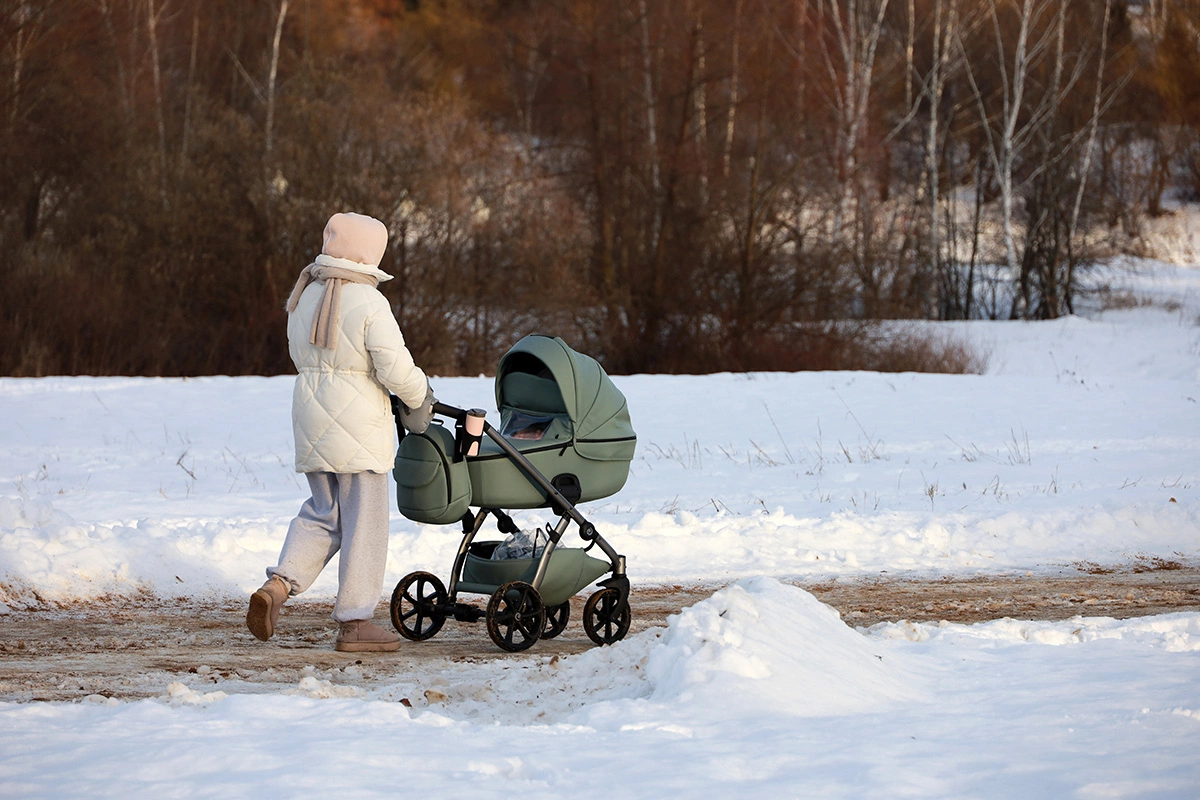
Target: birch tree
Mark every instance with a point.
(22, 19)
(734, 88)
(272, 77)
(699, 79)
(190, 91)
(857, 27)
(1009, 131)
(1075, 147)
(943, 63)
(152, 18)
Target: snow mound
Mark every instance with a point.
(762, 646)
(757, 647)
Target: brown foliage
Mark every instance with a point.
(679, 187)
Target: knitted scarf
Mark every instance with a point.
(326, 320)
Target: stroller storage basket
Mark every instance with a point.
(570, 570)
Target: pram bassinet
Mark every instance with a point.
(561, 411)
(565, 437)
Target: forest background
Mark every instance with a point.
(670, 185)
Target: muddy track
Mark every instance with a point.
(133, 649)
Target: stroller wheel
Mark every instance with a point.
(605, 618)
(556, 619)
(419, 606)
(516, 616)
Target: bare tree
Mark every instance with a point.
(152, 19)
(1009, 130)
(190, 91)
(734, 88)
(272, 76)
(22, 18)
(943, 63)
(1102, 98)
(857, 27)
(698, 78)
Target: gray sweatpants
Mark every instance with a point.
(347, 513)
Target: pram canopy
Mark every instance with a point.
(543, 376)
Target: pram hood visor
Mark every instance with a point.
(543, 375)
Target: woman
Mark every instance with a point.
(349, 353)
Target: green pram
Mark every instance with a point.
(565, 437)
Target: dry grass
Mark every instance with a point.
(876, 347)
(924, 351)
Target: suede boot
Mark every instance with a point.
(364, 636)
(265, 605)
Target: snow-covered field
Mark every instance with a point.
(1079, 445)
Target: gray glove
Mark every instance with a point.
(416, 420)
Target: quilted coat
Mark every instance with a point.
(341, 414)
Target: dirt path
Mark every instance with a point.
(135, 649)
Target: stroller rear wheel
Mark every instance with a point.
(516, 616)
(419, 606)
(605, 618)
(556, 619)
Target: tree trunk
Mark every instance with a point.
(191, 85)
(734, 78)
(152, 32)
(699, 79)
(271, 78)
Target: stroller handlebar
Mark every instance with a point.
(447, 410)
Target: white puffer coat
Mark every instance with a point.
(341, 414)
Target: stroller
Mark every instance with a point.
(562, 417)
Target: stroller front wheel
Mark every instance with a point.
(605, 618)
(516, 616)
(418, 606)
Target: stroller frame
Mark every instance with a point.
(516, 615)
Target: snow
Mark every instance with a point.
(1077, 446)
